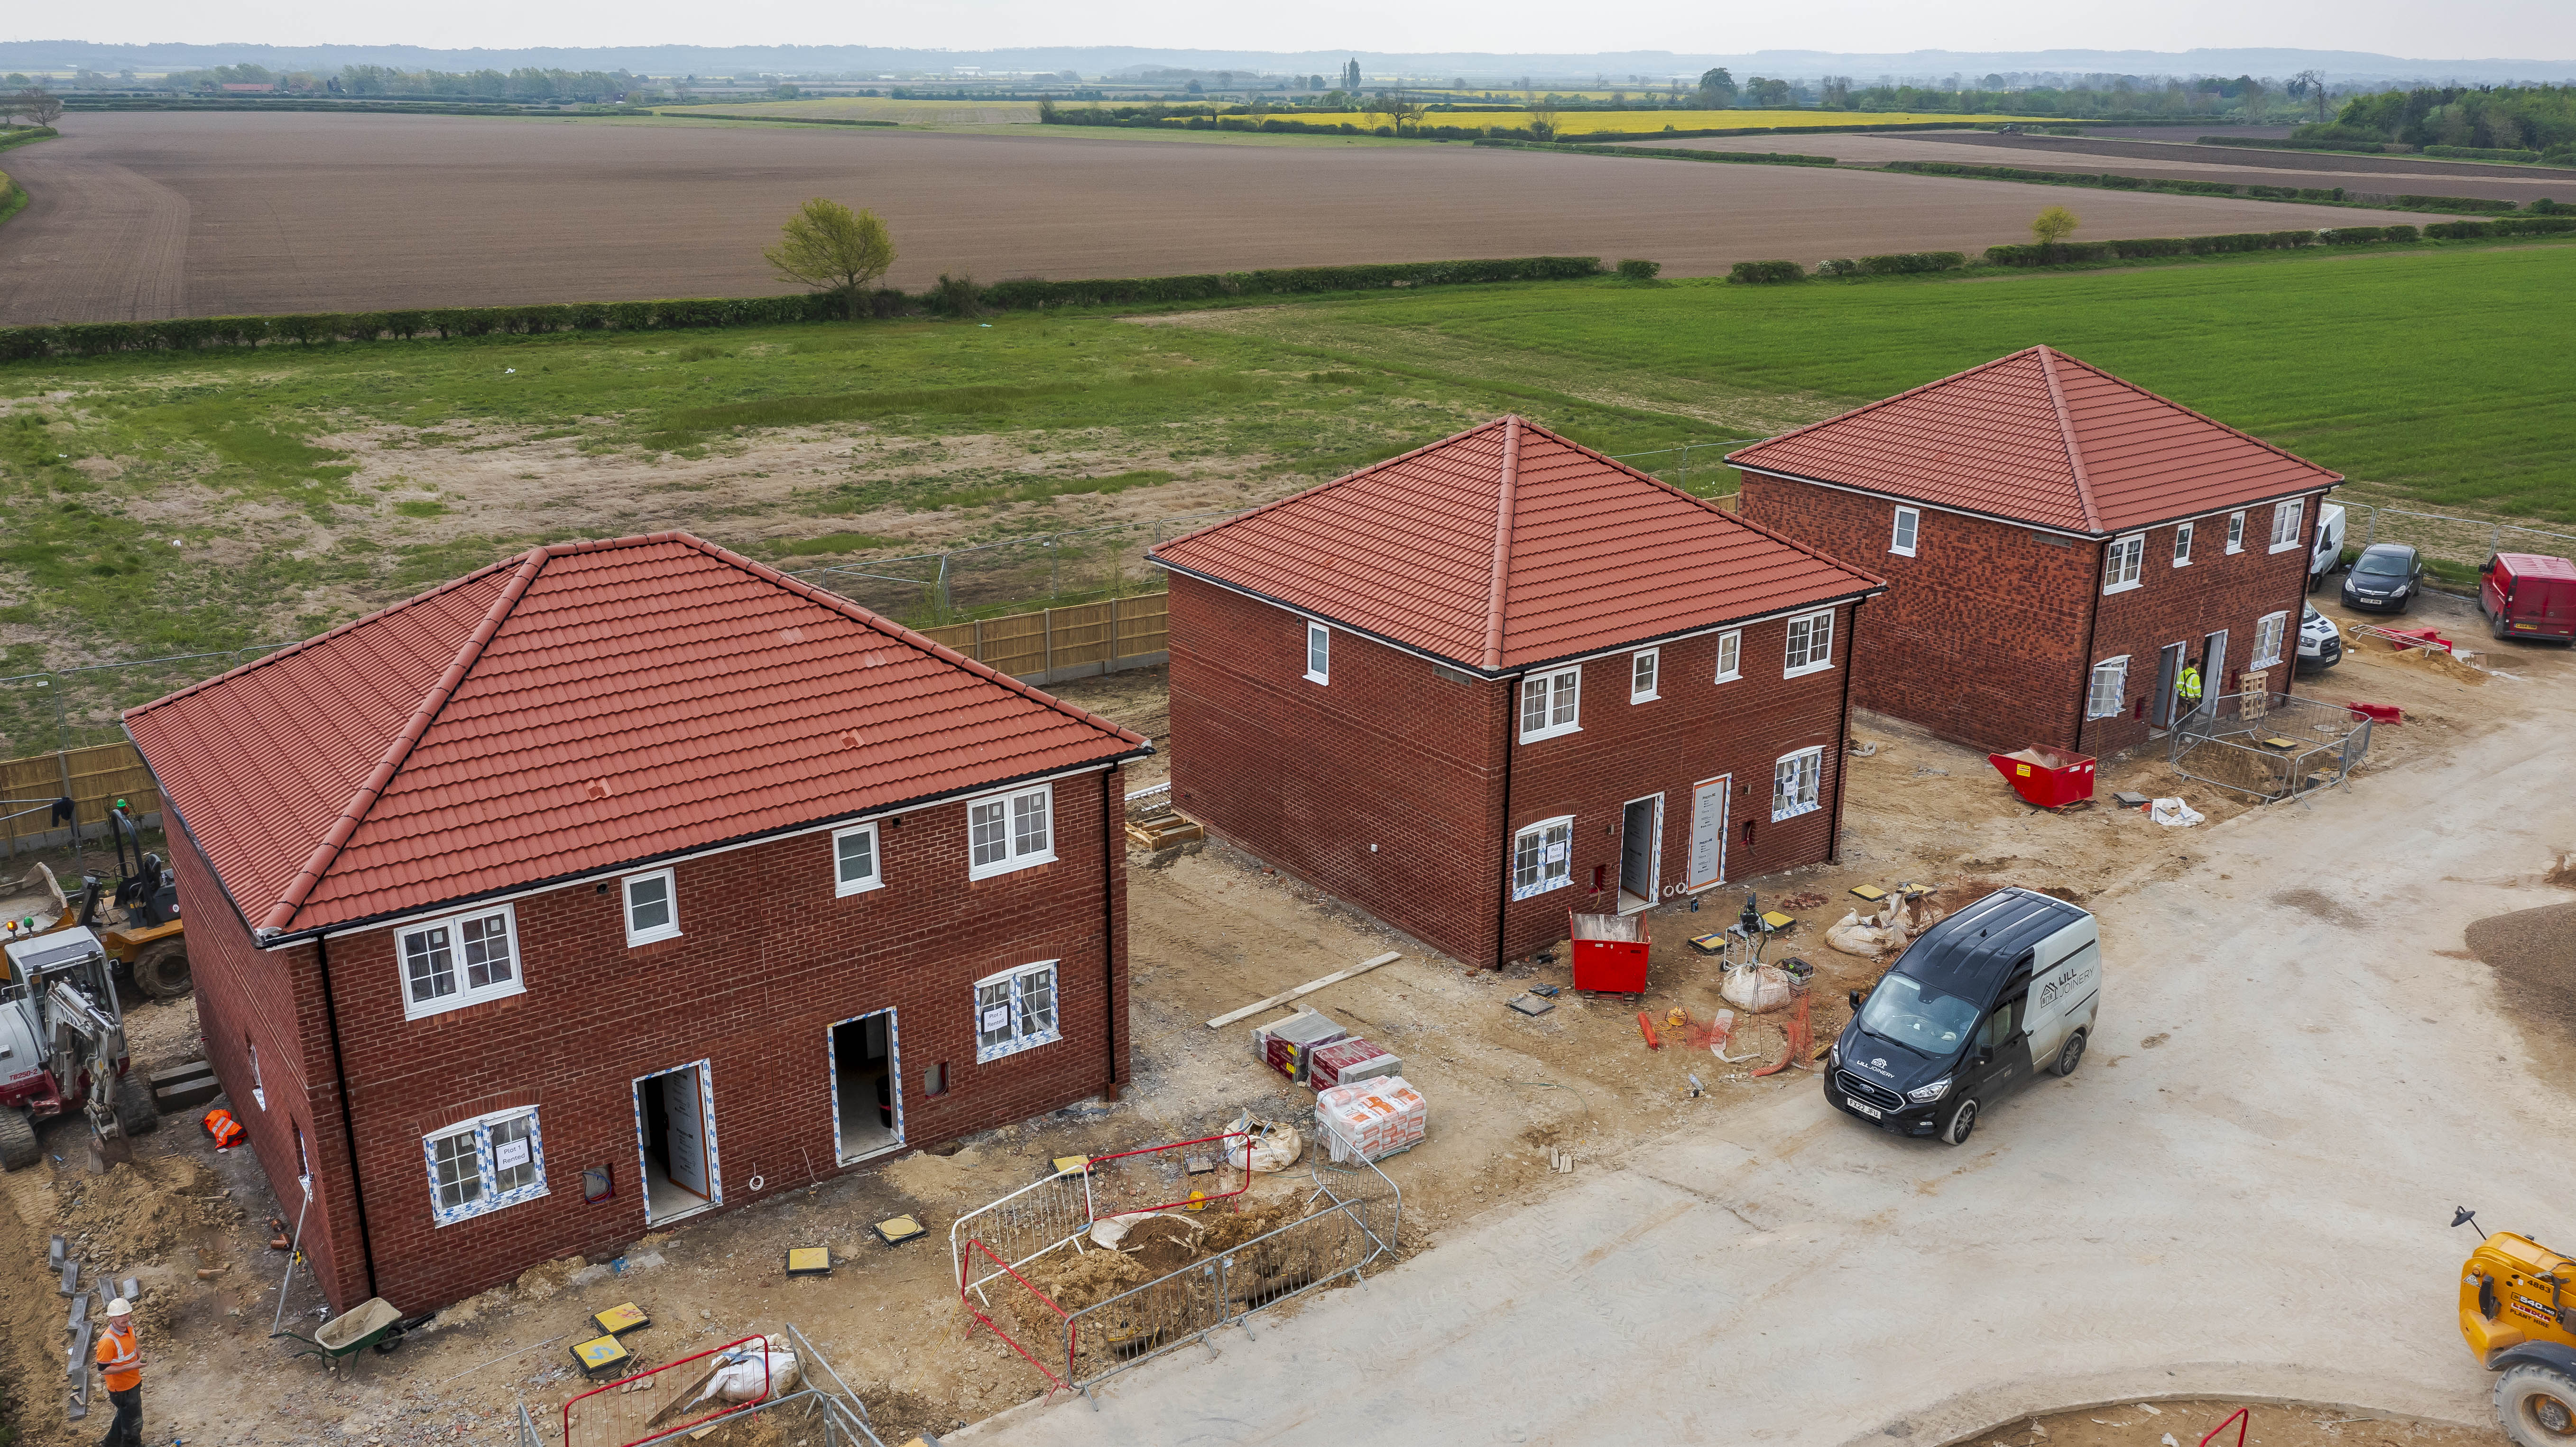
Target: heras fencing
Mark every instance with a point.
(2465, 541)
(2269, 746)
(652, 1408)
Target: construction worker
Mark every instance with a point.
(2187, 687)
(120, 1361)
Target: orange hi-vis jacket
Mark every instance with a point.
(226, 1130)
(120, 1360)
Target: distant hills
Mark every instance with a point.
(1482, 68)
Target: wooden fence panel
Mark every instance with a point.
(1144, 625)
(1079, 636)
(960, 636)
(1014, 645)
(101, 774)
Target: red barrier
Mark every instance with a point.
(2243, 1418)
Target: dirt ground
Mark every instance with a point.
(2185, 1423)
(142, 215)
(1211, 929)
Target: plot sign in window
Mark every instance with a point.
(508, 1154)
(998, 1018)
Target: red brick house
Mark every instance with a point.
(1503, 675)
(2058, 544)
(624, 881)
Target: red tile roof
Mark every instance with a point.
(583, 707)
(2039, 437)
(1507, 546)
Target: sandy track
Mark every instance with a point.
(302, 212)
(99, 240)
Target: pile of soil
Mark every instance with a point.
(139, 1210)
(1233, 1228)
(2533, 952)
(1161, 1244)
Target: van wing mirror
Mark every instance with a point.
(1855, 999)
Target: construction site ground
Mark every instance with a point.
(1211, 930)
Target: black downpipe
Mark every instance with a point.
(1842, 743)
(2084, 665)
(1503, 899)
(348, 1124)
(1109, 822)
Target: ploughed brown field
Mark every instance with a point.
(140, 215)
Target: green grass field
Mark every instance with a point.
(303, 486)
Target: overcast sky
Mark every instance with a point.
(2520, 29)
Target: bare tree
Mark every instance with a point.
(831, 248)
(2309, 83)
(40, 106)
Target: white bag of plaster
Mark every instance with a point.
(1759, 990)
(1275, 1144)
(2174, 814)
(741, 1376)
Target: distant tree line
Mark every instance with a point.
(524, 84)
(2540, 118)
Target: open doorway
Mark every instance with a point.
(2160, 709)
(867, 1087)
(675, 1134)
(1641, 841)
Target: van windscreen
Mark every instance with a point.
(1907, 1011)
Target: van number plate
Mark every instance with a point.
(1871, 1111)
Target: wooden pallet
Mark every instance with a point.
(1162, 831)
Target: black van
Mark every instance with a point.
(1999, 991)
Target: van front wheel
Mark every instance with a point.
(2069, 1055)
(1963, 1119)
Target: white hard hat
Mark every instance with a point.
(119, 1307)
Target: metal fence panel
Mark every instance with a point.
(2268, 745)
(2467, 541)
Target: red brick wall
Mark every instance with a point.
(769, 959)
(1307, 776)
(1981, 636)
(2184, 605)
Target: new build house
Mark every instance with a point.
(1503, 676)
(621, 882)
(2058, 546)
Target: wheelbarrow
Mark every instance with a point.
(371, 1323)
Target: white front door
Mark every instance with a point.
(1708, 832)
(686, 1140)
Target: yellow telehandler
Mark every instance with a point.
(2517, 1316)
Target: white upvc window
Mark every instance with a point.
(1811, 644)
(258, 1091)
(855, 867)
(1551, 704)
(1319, 652)
(2268, 631)
(484, 1164)
(2109, 686)
(1010, 831)
(1909, 526)
(2236, 532)
(1642, 668)
(2285, 523)
(1796, 781)
(652, 907)
(1543, 857)
(2182, 546)
(463, 959)
(2121, 561)
(1730, 655)
(1015, 1011)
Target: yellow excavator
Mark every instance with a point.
(2517, 1314)
(136, 918)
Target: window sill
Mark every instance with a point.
(843, 890)
(1900, 552)
(2182, 562)
(1559, 731)
(449, 1004)
(1521, 892)
(1804, 669)
(987, 1054)
(2112, 588)
(2291, 546)
(2240, 547)
(1730, 677)
(1319, 678)
(1777, 815)
(1012, 866)
(651, 937)
(485, 1208)
(2272, 662)
(1643, 697)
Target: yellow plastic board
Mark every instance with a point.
(896, 1230)
(1066, 1165)
(600, 1354)
(622, 1318)
(809, 1261)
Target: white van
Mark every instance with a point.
(1999, 991)
(2327, 554)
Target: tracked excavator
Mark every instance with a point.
(62, 1047)
(2519, 1316)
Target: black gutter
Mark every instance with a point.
(1109, 921)
(2084, 671)
(1515, 670)
(540, 886)
(348, 1124)
(1842, 744)
(1503, 905)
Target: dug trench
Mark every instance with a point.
(1211, 929)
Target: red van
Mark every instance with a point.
(2525, 595)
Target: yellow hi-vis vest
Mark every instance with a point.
(2188, 685)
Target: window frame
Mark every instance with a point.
(2279, 626)
(258, 1089)
(1905, 533)
(1319, 639)
(1730, 655)
(669, 929)
(2289, 515)
(2126, 553)
(1012, 859)
(843, 888)
(2236, 531)
(1015, 1000)
(1807, 764)
(1651, 660)
(2119, 690)
(492, 1196)
(1541, 882)
(1788, 640)
(464, 994)
(2182, 545)
(1550, 681)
